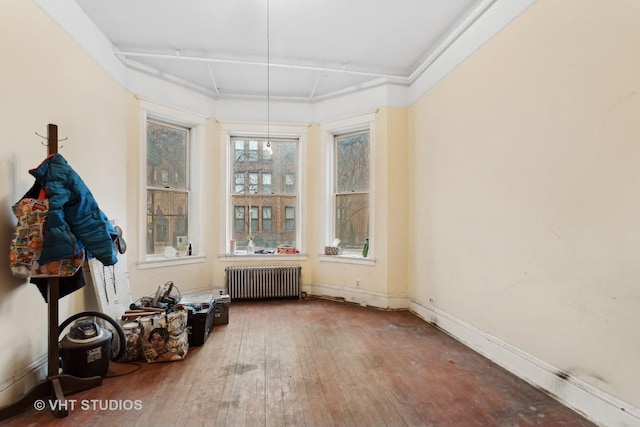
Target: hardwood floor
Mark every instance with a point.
(316, 363)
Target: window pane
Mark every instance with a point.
(166, 156)
(290, 218)
(253, 182)
(352, 161)
(290, 183)
(266, 183)
(266, 218)
(166, 219)
(239, 182)
(239, 151)
(269, 186)
(253, 151)
(283, 166)
(266, 151)
(352, 219)
(253, 212)
(238, 218)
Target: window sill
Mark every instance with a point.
(347, 259)
(170, 262)
(262, 257)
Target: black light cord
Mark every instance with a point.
(268, 80)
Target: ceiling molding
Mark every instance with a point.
(487, 19)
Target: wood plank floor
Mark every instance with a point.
(316, 363)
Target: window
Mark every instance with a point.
(239, 182)
(253, 151)
(264, 181)
(167, 191)
(238, 215)
(266, 218)
(253, 216)
(352, 189)
(289, 218)
(253, 182)
(171, 163)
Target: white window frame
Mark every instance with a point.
(196, 126)
(329, 130)
(242, 129)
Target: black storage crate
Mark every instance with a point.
(201, 324)
(222, 303)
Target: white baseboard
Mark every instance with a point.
(358, 296)
(598, 406)
(23, 381)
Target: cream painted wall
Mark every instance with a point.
(525, 202)
(382, 283)
(504, 197)
(46, 79)
(392, 196)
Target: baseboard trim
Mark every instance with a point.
(18, 385)
(593, 403)
(358, 296)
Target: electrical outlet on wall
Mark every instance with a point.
(357, 283)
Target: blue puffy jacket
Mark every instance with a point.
(75, 220)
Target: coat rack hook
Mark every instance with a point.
(46, 139)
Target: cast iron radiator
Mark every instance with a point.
(263, 282)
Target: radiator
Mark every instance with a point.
(262, 282)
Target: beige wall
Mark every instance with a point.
(525, 195)
(46, 79)
(506, 197)
(391, 197)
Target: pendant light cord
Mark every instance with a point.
(268, 81)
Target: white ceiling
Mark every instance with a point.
(316, 48)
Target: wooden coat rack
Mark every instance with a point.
(54, 388)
